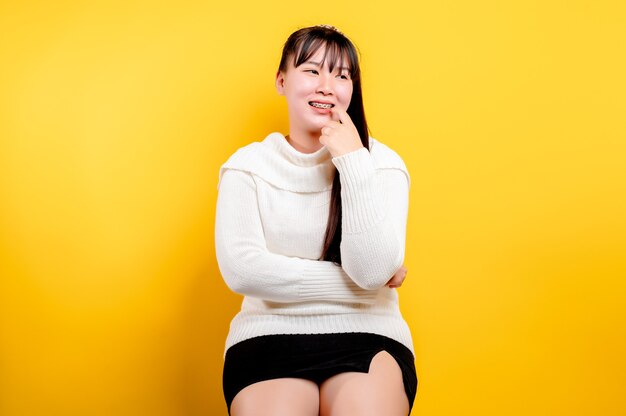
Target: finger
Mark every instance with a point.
(395, 280)
(341, 115)
(336, 117)
(331, 124)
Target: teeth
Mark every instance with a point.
(320, 105)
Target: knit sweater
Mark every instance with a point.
(271, 217)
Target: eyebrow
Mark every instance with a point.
(318, 64)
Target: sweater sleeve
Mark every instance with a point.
(374, 216)
(248, 268)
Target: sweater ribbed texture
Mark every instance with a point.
(271, 216)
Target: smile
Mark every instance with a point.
(320, 105)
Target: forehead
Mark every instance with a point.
(322, 57)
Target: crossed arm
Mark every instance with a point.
(374, 212)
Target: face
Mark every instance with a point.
(310, 89)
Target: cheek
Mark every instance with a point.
(300, 89)
(294, 93)
(345, 94)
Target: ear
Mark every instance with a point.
(280, 83)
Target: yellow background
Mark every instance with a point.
(115, 117)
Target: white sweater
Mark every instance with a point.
(271, 215)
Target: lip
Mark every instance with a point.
(321, 110)
(321, 102)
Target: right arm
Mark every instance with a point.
(248, 268)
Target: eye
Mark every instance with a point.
(311, 70)
(343, 76)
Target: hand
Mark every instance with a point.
(339, 135)
(398, 278)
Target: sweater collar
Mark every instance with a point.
(278, 142)
(276, 162)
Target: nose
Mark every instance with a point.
(325, 86)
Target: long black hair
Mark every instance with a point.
(300, 46)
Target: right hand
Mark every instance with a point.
(398, 278)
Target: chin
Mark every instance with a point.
(317, 127)
(313, 125)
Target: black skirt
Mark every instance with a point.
(314, 357)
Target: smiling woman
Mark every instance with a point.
(310, 229)
(317, 74)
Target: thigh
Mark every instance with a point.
(277, 397)
(380, 391)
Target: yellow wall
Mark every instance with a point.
(114, 120)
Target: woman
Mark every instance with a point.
(310, 228)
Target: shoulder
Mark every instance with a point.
(240, 161)
(242, 154)
(385, 157)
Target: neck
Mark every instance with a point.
(304, 141)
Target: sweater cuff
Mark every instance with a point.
(324, 280)
(356, 166)
(360, 195)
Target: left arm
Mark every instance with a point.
(374, 217)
